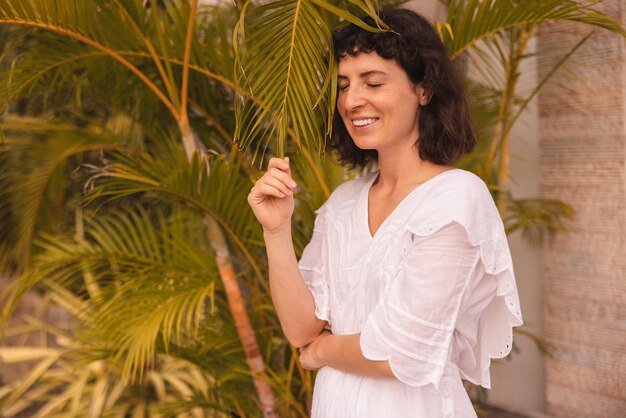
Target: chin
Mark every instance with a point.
(364, 144)
(365, 147)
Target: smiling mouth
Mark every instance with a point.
(363, 122)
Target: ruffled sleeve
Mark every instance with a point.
(312, 265)
(454, 296)
(413, 325)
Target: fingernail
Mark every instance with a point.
(293, 184)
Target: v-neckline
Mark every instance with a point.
(368, 187)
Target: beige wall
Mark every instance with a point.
(583, 154)
(432, 9)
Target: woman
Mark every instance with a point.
(407, 285)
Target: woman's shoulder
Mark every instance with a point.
(452, 195)
(459, 187)
(457, 180)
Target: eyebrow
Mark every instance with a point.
(364, 74)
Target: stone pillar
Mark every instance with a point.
(582, 162)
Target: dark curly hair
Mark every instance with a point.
(446, 128)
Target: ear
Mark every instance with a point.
(423, 94)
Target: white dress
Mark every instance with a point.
(433, 292)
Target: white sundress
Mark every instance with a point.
(433, 292)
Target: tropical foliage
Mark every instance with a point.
(132, 132)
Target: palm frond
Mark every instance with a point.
(164, 277)
(51, 65)
(80, 375)
(559, 63)
(37, 165)
(165, 299)
(537, 219)
(279, 62)
(220, 191)
(88, 23)
(470, 21)
(282, 57)
(56, 389)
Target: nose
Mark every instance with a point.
(352, 98)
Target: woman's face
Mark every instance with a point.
(378, 103)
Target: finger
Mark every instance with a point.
(282, 165)
(303, 362)
(262, 192)
(277, 179)
(277, 183)
(278, 163)
(282, 176)
(288, 169)
(264, 189)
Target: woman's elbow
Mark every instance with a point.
(301, 338)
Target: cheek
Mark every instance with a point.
(342, 113)
(410, 109)
(340, 106)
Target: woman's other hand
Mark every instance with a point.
(309, 357)
(271, 198)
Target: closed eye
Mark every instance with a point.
(343, 87)
(374, 85)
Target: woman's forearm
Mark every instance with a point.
(292, 299)
(343, 352)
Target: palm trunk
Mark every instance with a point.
(499, 147)
(517, 46)
(235, 299)
(242, 321)
(222, 254)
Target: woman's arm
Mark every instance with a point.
(271, 200)
(342, 352)
(412, 327)
(292, 299)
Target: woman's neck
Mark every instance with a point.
(400, 169)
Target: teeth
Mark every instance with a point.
(364, 122)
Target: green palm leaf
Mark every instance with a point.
(219, 191)
(289, 79)
(537, 219)
(470, 21)
(49, 65)
(31, 168)
(156, 33)
(164, 279)
(283, 61)
(90, 23)
(71, 381)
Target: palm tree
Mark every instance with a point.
(494, 36)
(167, 261)
(203, 185)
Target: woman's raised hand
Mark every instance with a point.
(271, 198)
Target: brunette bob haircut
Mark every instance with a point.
(446, 130)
